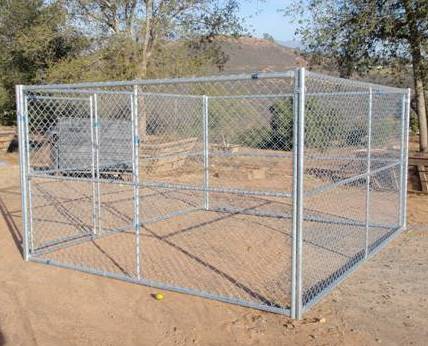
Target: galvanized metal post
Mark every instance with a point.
(28, 180)
(206, 152)
(93, 165)
(136, 178)
(21, 119)
(97, 161)
(369, 148)
(298, 166)
(294, 195)
(405, 114)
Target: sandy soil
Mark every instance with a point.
(385, 301)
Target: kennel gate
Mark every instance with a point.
(264, 190)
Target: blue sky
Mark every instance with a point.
(263, 16)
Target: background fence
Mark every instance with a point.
(262, 190)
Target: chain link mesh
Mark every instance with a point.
(188, 185)
(353, 177)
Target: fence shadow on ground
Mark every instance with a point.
(9, 215)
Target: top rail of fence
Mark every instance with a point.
(208, 79)
(338, 80)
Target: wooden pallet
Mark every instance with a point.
(159, 156)
(420, 161)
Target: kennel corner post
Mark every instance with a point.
(405, 117)
(368, 173)
(136, 177)
(205, 123)
(298, 166)
(23, 168)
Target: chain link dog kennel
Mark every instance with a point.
(262, 190)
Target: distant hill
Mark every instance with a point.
(247, 54)
(290, 44)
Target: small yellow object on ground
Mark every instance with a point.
(159, 296)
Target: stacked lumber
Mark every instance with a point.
(420, 161)
(158, 155)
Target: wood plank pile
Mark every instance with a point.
(420, 161)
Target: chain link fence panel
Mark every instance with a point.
(261, 190)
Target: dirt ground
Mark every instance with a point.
(384, 302)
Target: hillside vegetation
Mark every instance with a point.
(248, 54)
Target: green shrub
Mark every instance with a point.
(326, 125)
(281, 125)
(323, 125)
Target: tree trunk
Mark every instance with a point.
(422, 114)
(142, 70)
(415, 41)
(418, 75)
(147, 39)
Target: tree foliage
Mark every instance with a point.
(356, 35)
(143, 27)
(94, 40)
(33, 37)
